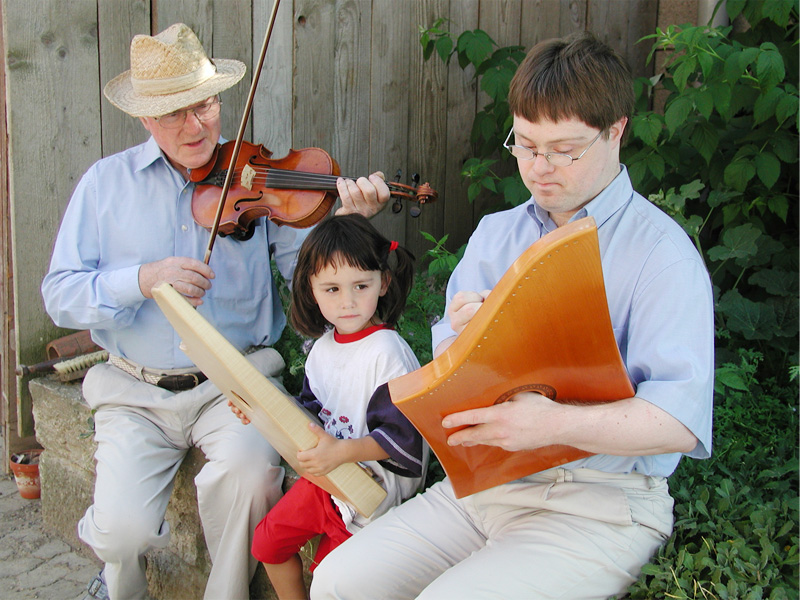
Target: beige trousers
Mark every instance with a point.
(143, 433)
(559, 534)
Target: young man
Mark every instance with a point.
(128, 227)
(585, 529)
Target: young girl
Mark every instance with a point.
(351, 277)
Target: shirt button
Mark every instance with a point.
(184, 228)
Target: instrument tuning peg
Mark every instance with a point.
(398, 175)
(415, 179)
(397, 206)
(414, 210)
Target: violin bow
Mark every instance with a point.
(240, 136)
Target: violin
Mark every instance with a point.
(297, 190)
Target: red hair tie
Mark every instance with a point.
(393, 246)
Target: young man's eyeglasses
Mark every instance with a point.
(204, 112)
(557, 159)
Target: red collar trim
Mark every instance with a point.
(346, 338)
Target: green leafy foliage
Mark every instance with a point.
(493, 68)
(722, 160)
(736, 514)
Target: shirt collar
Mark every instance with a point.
(150, 153)
(615, 195)
(346, 338)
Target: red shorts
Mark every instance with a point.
(304, 512)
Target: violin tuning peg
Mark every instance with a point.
(398, 175)
(397, 206)
(415, 179)
(414, 210)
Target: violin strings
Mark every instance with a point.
(286, 179)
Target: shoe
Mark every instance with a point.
(97, 589)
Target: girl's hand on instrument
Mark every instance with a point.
(463, 307)
(367, 196)
(189, 276)
(522, 423)
(325, 457)
(242, 417)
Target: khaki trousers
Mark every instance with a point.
(143, 433)
(558, 534)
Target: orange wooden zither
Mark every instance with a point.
(545, 327)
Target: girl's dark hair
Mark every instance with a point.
(352, 240)
(578, 76)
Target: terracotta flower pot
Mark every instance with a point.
(25, 467)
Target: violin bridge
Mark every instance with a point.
(248, 173)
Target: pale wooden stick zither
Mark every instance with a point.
(545, 327)
(277, 416)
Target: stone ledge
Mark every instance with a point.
(67, 476)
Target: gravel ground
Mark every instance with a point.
(34, 563)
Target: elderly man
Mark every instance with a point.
(581, 531)
(129, 226)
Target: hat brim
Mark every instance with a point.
(121, 94)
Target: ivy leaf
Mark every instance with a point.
(476, 45)
(730, 376)
(739, 242)
(655, 165)
(444, 46)
(766, 104)
(647, 128)
(777, 282)
(779, 205)
(495, 82)
(704, 101)
(739, 173)
(786, 108)
(721, 93)
(771, 70)
(768, 168)
(677, 113)
(779, 11)
(705, 139)
(754, 320)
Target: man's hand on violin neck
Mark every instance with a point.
(189, 276)
(367, 196)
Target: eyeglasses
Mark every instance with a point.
(204, 112)
(557, 159)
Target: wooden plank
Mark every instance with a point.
(427, 137)
(232, 39)
(621, 24)
(501, 20)
(52, 55)
(272, 107)
(353, 39)
(118, 22)
(546, 19)
(389, 101)
(462, 97)
(314, 33)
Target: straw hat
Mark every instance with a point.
(170, 71)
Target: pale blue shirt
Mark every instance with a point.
(659, 297)
(133, 208)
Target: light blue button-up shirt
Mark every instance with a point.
(659, 297)
(134, 208)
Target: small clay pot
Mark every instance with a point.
(25, 467)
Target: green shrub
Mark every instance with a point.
(736, 514)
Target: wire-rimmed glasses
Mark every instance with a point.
(557, 159)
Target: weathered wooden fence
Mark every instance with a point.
(345, 75)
